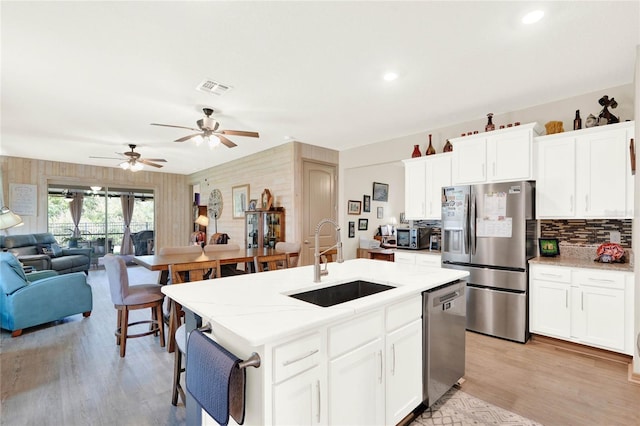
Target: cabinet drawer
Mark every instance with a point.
(356, 332)
(296, 356)
(551, 273)
(404, 312)
(595, 278)
(404, 257)
(432, 260)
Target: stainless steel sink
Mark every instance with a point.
(336, 294)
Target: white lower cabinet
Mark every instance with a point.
(409, 257)
(299, 400)
(587, 306)
(366, 370)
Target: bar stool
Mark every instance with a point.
(178, 369)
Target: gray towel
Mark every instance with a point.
(214, 379)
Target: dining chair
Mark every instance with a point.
(271, 262)
(221, 247)
(127, 297)
(182, 273)
(292, 250)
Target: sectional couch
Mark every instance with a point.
(43, 252)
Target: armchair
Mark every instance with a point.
(27, 300)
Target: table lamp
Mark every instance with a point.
(9, 219)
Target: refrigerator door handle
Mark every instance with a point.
(472, 224)
(465, 232)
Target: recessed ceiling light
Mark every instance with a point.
(390, 76)
(532, 17)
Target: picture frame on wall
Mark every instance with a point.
(363, 224)
(352, 229)
(380, 191)
(354, 207)
(240, 197)
(380, 212)
(366, 203)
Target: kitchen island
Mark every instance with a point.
(358, 362)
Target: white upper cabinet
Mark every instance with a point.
(498, 156)
(423, 181)
(585, 173)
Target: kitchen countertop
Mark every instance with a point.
(257, 308)
(578, 262)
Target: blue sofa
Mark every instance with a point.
(28, 248)
(27, 300)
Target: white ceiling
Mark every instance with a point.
(87, 78)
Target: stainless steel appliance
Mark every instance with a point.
(415, 238)
(489, 230)
(443, 325)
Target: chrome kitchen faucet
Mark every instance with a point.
(317, 272)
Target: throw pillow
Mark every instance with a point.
(44, 249)
(56, 250)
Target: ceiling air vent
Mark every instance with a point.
(213, 87)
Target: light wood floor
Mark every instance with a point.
(70, 373)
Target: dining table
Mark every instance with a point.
(161, 262)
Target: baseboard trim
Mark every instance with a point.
(633, 377)
(583, 349)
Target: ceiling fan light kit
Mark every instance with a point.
(133, 161)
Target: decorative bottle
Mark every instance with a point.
(490, 126)
(430, 150)
(416, 151)
(577, 122)
(448, 147)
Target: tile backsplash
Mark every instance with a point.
(586, 232)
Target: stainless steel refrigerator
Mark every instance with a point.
(490, 231)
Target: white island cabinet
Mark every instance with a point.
(356, 363)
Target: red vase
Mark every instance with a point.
(416, 151)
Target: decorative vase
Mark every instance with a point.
(490, 126)
(416, 151)
(448, 147)
(430, 149)
(591, 121)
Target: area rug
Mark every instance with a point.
(457, 408)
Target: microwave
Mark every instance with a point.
(413, 238)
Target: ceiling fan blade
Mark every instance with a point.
(177, 127)
(159, 160)
(149, 163)
(107, 158)
(226, 141)
(186, 138)
(239, 133)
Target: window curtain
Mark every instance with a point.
(127, 213)
(75, 206)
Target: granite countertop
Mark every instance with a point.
(576, 256)
(256, 307)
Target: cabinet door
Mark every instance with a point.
(356, 386)
(299, 400)
(404, 257)
(602, 174)
(509, 157)
(555, 186)
(432, 260)
(599, 309)
(403, 371)
(438, 175)
(550, 308)
(415, 181)
(469, 161)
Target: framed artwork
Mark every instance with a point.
(549, 246)
(366, 203)
(363, 224)
(253, 204)
(240, 197)
(380, 213)
(380, 191)
(352, 229)
(353, 207)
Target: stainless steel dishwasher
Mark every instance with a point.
(444, 312)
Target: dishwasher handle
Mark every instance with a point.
(449, 297)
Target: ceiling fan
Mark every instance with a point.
(208, 131)
(133, 161)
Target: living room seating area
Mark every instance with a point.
(42, 251)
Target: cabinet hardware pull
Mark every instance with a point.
(380, 376)
(586, 203)
(601, 280)
(318, 389)
(566, 298)
(393, 357)
(300, 358)
(494, 169)
(582, 301)
(571, 203)
(546, 274)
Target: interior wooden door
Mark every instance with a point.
(319, 201)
